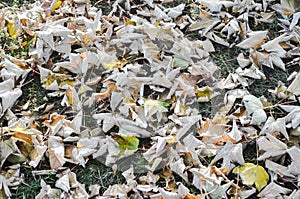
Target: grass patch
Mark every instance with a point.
(94, 173)
(32, 91)
(225, 58)
(16, 3)
(105, 5)
(31, 185)
(97, 173)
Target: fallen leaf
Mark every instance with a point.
(273, 190)
(12, 27)
(255, 107)
(255, 40)
(6, 151)
(294, 86)
(56, 152)
(271, 145)
(126, 142)
(253, 174)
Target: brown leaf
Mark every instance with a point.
(192, 196)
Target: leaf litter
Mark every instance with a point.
(137, 74)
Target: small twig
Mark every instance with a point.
(97, 2)
(225, 177)
(256, 149)
(230, 60)
(290, 181)
(27, 82)
(279, 104)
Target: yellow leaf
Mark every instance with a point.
(115, 64)
(61, 79)
(126, 142)
(22, 65)
(13, 31)
(86, 39)
(204, 92)
(57, 5)
(253, 174)
(20, 133)
(129, 22)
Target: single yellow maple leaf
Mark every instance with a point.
(253, 174)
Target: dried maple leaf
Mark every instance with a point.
(272, 146)
(273, 190)
(255, 40)
(56, 152)
(47, 191)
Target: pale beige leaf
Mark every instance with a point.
(294, 86)
(47, 192)
(273, 190)
(273, 125)
(252, 103)
(63, 183)
(56, 152)
(254, 40)
(272, 147)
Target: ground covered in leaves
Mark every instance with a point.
(150, 99)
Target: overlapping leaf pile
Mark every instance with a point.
(141, 78)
